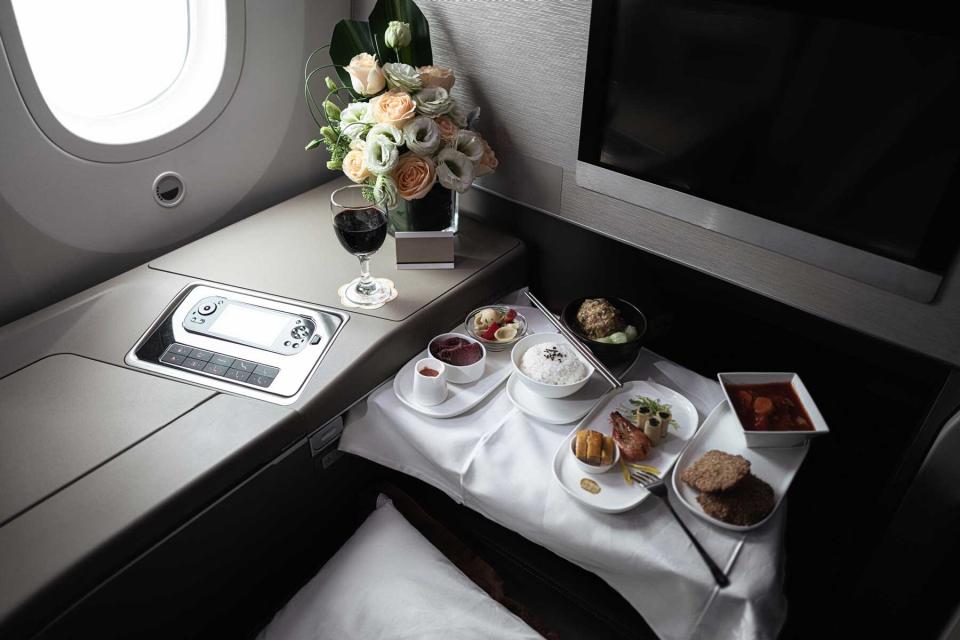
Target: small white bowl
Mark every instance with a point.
(542, 388)
(467, 373)
(595, 468)
(764, 439)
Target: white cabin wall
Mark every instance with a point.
(67, 223)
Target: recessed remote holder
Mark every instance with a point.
(238, 341)
(251, 325)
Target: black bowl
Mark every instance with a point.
(608, 352)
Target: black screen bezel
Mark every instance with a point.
(940, 244)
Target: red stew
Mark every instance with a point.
(772, 406)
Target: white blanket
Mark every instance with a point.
(496, 460)
(388, 581)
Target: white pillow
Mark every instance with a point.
(388, 581)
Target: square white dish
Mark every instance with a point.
(760, 439)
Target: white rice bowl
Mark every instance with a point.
(554, 363)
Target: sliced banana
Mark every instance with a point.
(506, 333)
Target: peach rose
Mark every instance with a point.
(354, 166)
(365, 74)
(414, 176)
(448, 130)
(488, 161)
(437, 77)
(393, 107)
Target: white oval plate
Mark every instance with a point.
(721, 430)
(460, 397)
(556, 410)
(616, 496)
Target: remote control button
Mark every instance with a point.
(299, 332)
(214, 369)
(200, 354)
(260, 381)
(266, 371)
(236, 374)
(315, 339)
(172, 358)
(207, 308)
(222, 360)
(244, 365)
(193, 363)
(179, 349)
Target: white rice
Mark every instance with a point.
(553, 363)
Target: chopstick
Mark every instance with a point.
(584, 351)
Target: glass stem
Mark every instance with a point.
(367, 283)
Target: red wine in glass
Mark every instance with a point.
(361, 228)
(361, 231)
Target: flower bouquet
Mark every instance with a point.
(392, 124)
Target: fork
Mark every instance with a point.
(658, 488)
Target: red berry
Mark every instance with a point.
(490, 333)
(510, 315)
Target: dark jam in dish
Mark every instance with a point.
(361, 231)
(459, 352)
(772, 406)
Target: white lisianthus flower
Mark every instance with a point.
(402, 76)
(454, 170)
(433, 101)
(397, 34)
(365, 75)
(385, 191)
(355, 120)
(380, 155)
(422, 136)
(469, 144)
(388, 131)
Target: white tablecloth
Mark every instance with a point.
(497, 461)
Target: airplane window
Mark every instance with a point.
(122, 71)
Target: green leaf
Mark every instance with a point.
(350, 37)
(418, 53)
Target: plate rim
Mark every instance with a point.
(706, 427)
(431, 411)
(643, 494)
(514, 380)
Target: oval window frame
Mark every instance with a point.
(80, 147)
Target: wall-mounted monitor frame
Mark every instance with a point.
(879, 271)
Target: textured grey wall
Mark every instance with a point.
(523, 62)
(66, 223)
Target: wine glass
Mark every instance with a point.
(361, 227)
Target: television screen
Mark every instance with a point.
(837, 121)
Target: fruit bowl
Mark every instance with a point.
(496, 345)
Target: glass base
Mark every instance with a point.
(366, 295)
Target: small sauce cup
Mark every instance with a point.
(429, 382)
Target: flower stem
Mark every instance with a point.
(312, 105)
(306, 65)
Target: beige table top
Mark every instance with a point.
(296, 239)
